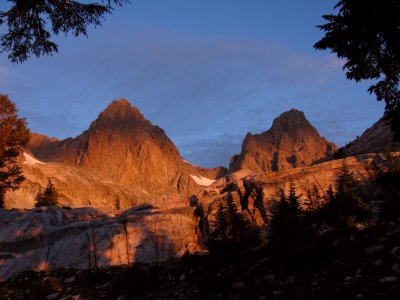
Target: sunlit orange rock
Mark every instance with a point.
(291, 142)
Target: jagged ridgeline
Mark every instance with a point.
(291, 142)
(122, 155)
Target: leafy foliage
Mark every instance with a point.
(366, 33)
(48, 197)
(13, 135)
(29, 34)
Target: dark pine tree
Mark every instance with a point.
(29, 24)
(221, 223)
(48, 197)
(366, 34)
(287, 233)
(347, 204)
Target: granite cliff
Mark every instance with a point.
(291, 142)
(122, 148)
(377, 138)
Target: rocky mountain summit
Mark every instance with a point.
(123, 148)
(378, 138)
(291, 142)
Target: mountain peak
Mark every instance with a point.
(121, 111)
(291, 142)
(291, 121)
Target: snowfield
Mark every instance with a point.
(30, 161)
(200, 180)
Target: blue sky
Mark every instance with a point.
(206, 71)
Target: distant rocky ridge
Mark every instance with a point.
(123, 157)
(291, 142)
(122, 148)
(378, 138)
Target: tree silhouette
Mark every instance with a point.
(230, 228)
(293, 198)
(227, 220)
(313, 199)
(48, 197)
(13, 135)
(31, 23)
(347, 203)
(366, 33)
(221, 223)
(287, 232)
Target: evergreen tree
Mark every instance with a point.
(330, 194)
(233, 218)
(293, 198)
(48, 197)
(286, 229)
(317, 197)
(282, 204)
(313, 202)
(230, 228)
(347, 203)
(365, 33)
(13, 135)
(221, 223)
(28, 33)
(388, 188)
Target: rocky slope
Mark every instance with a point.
(124, 148)
(378, 138)
(37, 239)
(76, 188)
(257, 191)
(291, 142)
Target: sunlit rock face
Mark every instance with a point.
(291, 142)
(255, 193)
(120, 149)
(52, 238)
(84, 238)
(378, 138)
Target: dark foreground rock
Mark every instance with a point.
(340, 265)
(50, 238)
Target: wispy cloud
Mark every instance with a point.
(205, 93)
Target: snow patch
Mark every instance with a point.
(30, 161)
(200, 180)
